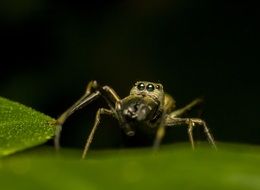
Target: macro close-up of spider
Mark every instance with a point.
(150, 94)
(147, 106)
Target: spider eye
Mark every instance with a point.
(150, 87)
(158, 87)
(141, 86)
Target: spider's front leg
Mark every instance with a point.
(90, 95)
(94, 91)
(93, 130)
(171, 120)
(114, 102)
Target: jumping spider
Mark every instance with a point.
(147, 104)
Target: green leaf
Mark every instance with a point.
(22, 127)
(232, 167)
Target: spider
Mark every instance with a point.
(147, 105)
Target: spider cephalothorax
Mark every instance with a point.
(148, 89)
(146, 104)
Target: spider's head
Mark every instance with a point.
(144, 101)
(148, 89)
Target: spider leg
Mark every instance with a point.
(115, 105)
(91, 135)
(190, 132)
(94, 91)
(110, 94)
(159, 136)
(83, 101)
(169, 104)
(106, 92)
(191, 122)
(188, 107)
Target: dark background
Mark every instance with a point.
(51, 49)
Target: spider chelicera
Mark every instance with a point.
(147, 104)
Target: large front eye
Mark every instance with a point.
(141, 86)
(150, 87)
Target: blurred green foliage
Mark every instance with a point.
(22, 127)
(233, 167)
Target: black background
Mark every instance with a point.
(51, 49)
